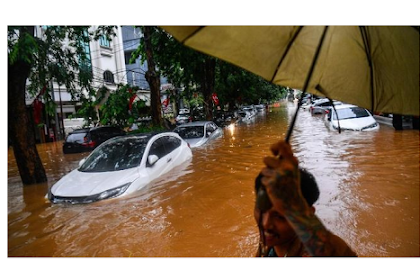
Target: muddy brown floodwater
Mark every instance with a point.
(369, 184)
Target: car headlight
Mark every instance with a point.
(88, 199)
(113, 192)
(370, 126)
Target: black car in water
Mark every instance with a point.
(87, 139)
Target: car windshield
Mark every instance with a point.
(350, 113)
(117, 154)
(190, 132)
(76, 137)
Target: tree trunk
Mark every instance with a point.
(208, 86)
(21, 129)
(153, 78)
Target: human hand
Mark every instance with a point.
(281, 178)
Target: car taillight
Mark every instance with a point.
(190, 119)
(90, 144)
(326, 111)
(188, 145)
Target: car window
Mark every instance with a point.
(157, 149)
(323, 104)
(210, 128)
(190, 132)
(116, 155)
(350, 113)
(171, 143)
(76, 137)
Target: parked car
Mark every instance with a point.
(184, 111)
(121, 166)
(73, 124)
(260, 107)
(320, 106)
(307, 104)
(223, 118)
(183, 118)
(244, 116)
(199, 133)
(198, 114)
(87, 139)
(351, 117)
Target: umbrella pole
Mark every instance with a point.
(305, 86)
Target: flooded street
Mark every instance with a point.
(369, 183)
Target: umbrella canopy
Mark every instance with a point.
(374, 67)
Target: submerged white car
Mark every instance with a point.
(351, 117)
(199, 133)
(121, 166)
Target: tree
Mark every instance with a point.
(120, 109)
(182, 66)
(152, 77)
(41, 61)
(236, 85)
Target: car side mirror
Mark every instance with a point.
(82, 161)
(208, 134)
(152, 159)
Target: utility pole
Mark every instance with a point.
(57, 127)
(63, 134)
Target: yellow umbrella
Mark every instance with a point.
(374, 67)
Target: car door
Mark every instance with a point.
(158, 148)
(172, 146)
(211, 127)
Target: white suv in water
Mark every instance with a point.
(350, 117)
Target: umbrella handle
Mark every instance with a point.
(305, 86)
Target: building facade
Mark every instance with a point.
(105, 59)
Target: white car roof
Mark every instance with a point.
(198, 123)
(344, 106)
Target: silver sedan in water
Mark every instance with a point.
(199, 133)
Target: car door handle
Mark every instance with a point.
(169, 159)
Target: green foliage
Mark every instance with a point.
(235, 85)
(21, 44)
(58, 55)
(184, 68)
(88, 111)
(115, 110)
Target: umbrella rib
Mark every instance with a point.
(193, 34)
(363, 33)
(289, 45)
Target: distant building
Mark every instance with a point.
(107, 64)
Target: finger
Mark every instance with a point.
(268, 172)
(268, 182)
(272, 162)
(281, 148)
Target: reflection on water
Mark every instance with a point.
(369, 196)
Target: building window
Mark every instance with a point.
(127, 56)
(104, 42)
(85, 60)
(108, 77)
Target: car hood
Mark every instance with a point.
(195, 142)
(355, 124)
(78, 183)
